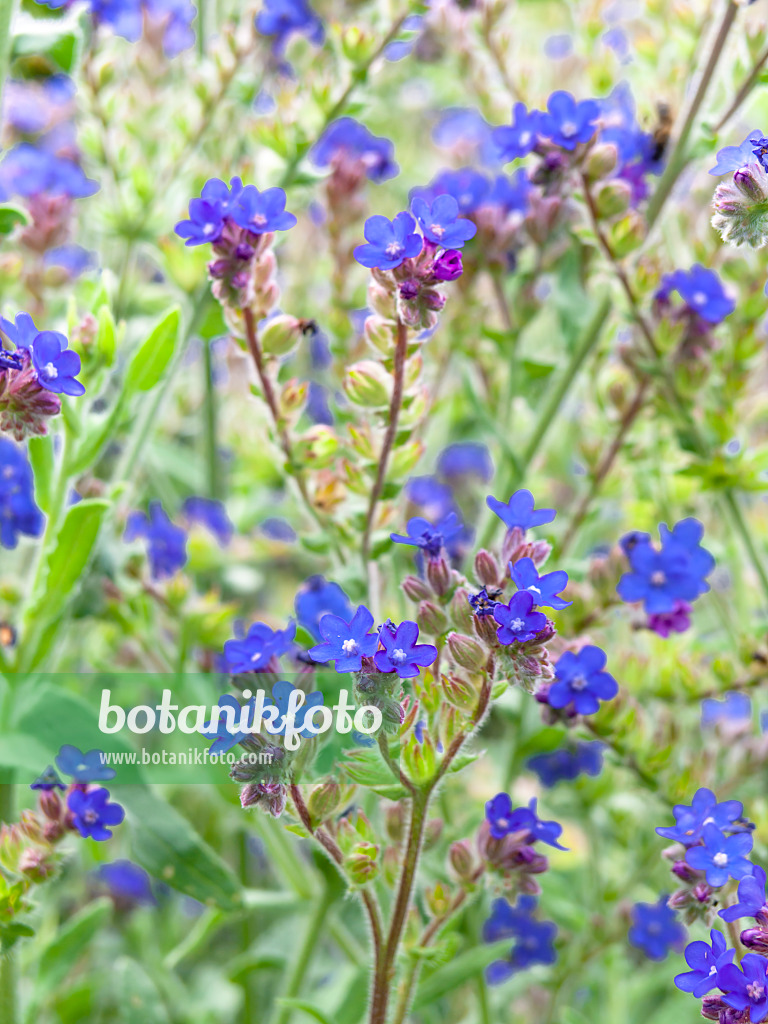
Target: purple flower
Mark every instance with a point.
(260, 212)
(254, 651)
(465, 458)
(675, 621)
(316, 598)
(56, 365)
(733, 158)
(440, 222)
(517, 623)
(389, 242)
(504, 821)
(401, 653)
(225, 732)
(92, 813)
(734, 707)
(519, 511)
(542, 588)
(349, 137)
(580, 680)
(746, 989)
(205, 223)
(466, 127)
(346, 642)
(48, 780)
(705, 961)
(21, 331)
(567, 764)
(73, 259)
(690, 820)
(567, 123)
(518, 138)
(470, 188)
(752, 898)
(655, 929)
(212, 515)
(281, 697)
(448, 266)
(18, 511)
(30, 171)
(166, 543)
(430, 539)
(88, 767)
(534, 939)
(721, 857)
(482, 603)
(128, 884)
(675, 573)
(702, 291)
(280, 19)
(511, 193)
(760, 150)
(176, 16)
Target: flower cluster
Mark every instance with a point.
(669, 578)
(534, 939)
(567, 763)
(168, 21)
(33, 374)
(18, 512)
(281, 19)
(166, 543)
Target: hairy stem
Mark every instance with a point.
(8, 982)
(395, 405)
(210, 412)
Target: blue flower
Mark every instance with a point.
(430, 539)
(504, 821)
(124, 17)
(91, 813)
(465, 126)
(281, 694)
(18, 511)
(401, 653)
(746, 988)
(752, 898)
(733, 158)
(349, 137)
(721, 857)
(675, 573)
(544, 589)
(567, 764)
(281, 18)
(482, 602)
(534, 939)
(253, 652)
(690, 820)
(705, 961)
(734, 707)
(702, 291)
(205, 223)
(567, 123)
(580, 680)
(346, 642)
(389, 242)
(21, 331)
(470, 188)
(517, 622)
(224, 737)
(655, 929)
(760, 151)
(177, 17)
(260, 212)
(73, 259)
(511, 194)
(89, 767)
(440, 221)
(316, 598)
(127, 883)
(30, 171)
(465, 458)
(520, 137)
(166, 543)
(212, 515)
(519, 511)
(48, 780)
(56, 365)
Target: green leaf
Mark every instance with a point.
(70, 941)
(106, 337)
(306, 1007)
(151, 361)
(136, 995)
(10, 216)
(167, 846)
(461, 969)
(41, 456)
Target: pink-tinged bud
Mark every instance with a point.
(679, 899)
(751, 183)
(448, 267)
(712, 1007)
(461, 610)
(368, 384)
(540, 552)
(514, 543)
(431, 618)
(684, 872)
(467, 652)
(415, 589)
(381, 301)
(432, 299)
(30, 826)
(409, 290)
(461, 859)
(440, 575)
(433, 832)
(741, 208)
(486, 628)
(361, 865)
(264, 269)
(702, 892)
(269, 796)
(487, 569)
(50, 804)
(54, 830)
(35, 864)
(755, 938)
(380, 334)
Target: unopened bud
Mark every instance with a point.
(433, 832)
(600, 161)
(394, 822)
(361, 864)
(436, 899)
(324, 801)
(755, 938)
(415, 589)
(612, 198)
(486, 627)
(461, 610)
(461, 858)
(381, 301)
(368, 384)
(35, 864)
(317, 448)
(487, 569)
(741, 208)
(431, 618)
(459, 692)
(439, 575)
(292, 396)
(380, 334)
(628, 233)
(466, 651)
(280, 335)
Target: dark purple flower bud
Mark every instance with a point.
(683, 872)
(712, 1007)
(409, 290)
(755, 938)
(448, 266)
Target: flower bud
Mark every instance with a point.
(380, 334)
(432, 832)
(439, 575)
(368, 384)
(600, 161)
(415, 589)
(292, 396)
(683, 872)
(30, 826)
(361, 864)
(755, 938)
(487, 569)
(448, 267)
(628, 233)
(394, 822)
(50, 804)
(431, 618)
(324, 801)
(461, 610)
(317, 447)
(612, 198)
(280, 335)
(35, 864)
(741, 208)
(467, 652)
(461, 859)
(459, 692)
(485, 626)
(436, 899)
(381, 301)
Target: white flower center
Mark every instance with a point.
(699, 299)
(437, 229)
(517, 624)
(720, 859)
(397, 656)
(349, 646)
(658, 579)
(755, 990)
(90, 816)
(578, 682)
(393, 249)
(525, 138)
(568, 128)
(209, 229)
(50, 371)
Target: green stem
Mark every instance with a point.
(678, 158)
(554, 400)
(210, 410)
(746, 538)
(7, 8)
(8, 983)
(304, 956)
